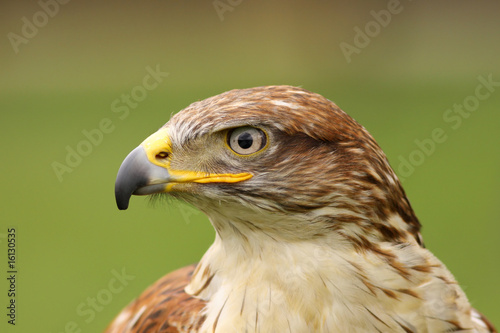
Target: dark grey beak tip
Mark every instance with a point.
(122, 201)
(131, 175)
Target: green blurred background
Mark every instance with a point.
(65, 77)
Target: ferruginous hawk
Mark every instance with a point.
(314, 232)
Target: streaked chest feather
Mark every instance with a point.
(322, 287)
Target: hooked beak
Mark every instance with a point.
(138, 176)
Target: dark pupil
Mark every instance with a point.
(245, 140)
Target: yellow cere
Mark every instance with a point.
(156, 143)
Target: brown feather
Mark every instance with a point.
(162, 308)
(308, 124)
(486, 322)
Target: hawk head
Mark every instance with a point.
(275, 159)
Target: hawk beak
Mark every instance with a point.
(146, 170)
(138, 176)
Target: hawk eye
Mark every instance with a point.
(246, 140)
